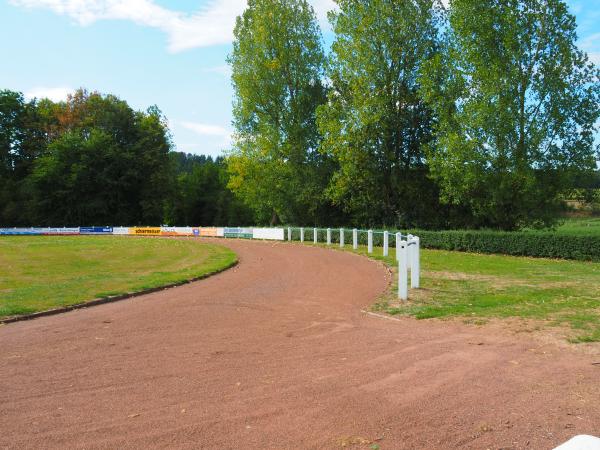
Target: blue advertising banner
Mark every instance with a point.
(19, 231)
(95, 230)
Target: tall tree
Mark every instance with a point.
(105, 163)
(516, 102)
(277, 66)
(375, 123)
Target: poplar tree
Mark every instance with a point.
(277, 67)
(516, 103)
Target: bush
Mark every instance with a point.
(520, 243)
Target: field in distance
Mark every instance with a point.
(44, 272)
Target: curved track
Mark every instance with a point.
(276, 354)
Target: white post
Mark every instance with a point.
(370, 241)
(409, 250)
(386, 243)
(328, 236)
(315, 238)
(415, 268)
(289, 234)
(403, 272)
(355, 239)
(398, 240)
(301, 234)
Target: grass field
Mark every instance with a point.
(580, 226)
(44, 272)
(549, 293)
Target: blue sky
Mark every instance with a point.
(169, 53)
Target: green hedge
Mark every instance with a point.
(526, 243)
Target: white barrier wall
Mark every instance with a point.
(276, 234)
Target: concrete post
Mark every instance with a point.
(370, 241)
(341, 237)
(415, 269)
(398, 240)
(386, 243)
(355, 239)
(301, 234)
(403, 272)
(315, 236)
(289, 234)
(328, 236)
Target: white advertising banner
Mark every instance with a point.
(268, 233)
(120, 230)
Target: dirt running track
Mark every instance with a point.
(276, 354)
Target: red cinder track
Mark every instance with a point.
(276, 354)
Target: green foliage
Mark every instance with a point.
(521, 243)
(277, 68)
(375, 123)
(516, 104)
(201, 196)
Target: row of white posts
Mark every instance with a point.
(408, 254)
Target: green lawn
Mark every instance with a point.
(43, 272)
(580, 226)
(477, 287)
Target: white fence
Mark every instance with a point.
(407, 246)
(408, 251)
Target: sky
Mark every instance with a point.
(154, 52)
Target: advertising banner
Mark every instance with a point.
(176, 231)
(145, 231)
(238, 233)
(268, 233)
(196, 231)
(58, 231)
(95, 230)
(209, 232)
(19, 232)
(120, 230)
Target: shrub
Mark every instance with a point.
(520, 243)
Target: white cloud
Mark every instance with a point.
(591, 45)
(56, 94)
(210, 25)
(204, 129)
(224, 70)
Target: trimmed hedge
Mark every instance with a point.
(518, 243)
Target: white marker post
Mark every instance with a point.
(315, 236)
(386, 243)
(415, 268)
(409, 250)
(341, 237)
(328, 236)
(398, 240)
(403, 272)
(289, 234)
(355, 239)
(370, 241)
(301, 234)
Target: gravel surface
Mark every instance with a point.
(276, 354)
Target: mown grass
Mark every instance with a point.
(580, 226)
(38, 273)
(477, 287)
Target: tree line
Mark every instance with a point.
(93, 160)
(479, 115)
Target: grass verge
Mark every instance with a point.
(549, 293)
(46, 272)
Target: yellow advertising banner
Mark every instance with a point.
(208, 232)
(146, 231)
